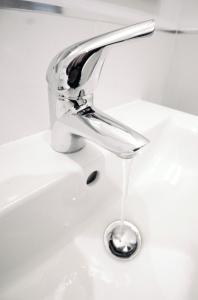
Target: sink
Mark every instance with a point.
(52, 222)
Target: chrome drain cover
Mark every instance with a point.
(122, 240)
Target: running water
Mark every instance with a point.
(122, 239)
(126, 170)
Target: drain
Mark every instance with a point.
(122, 240)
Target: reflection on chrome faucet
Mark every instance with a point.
(72, 77)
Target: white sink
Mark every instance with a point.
(52, 223)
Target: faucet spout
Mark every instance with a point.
(101, 129)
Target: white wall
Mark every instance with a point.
(181, 87)
(166, 12)
(136, 69)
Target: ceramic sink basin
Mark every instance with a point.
(52, 223)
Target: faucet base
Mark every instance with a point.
(64, 142)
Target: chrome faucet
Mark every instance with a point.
(72, 76)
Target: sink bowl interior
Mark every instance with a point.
(52, 241)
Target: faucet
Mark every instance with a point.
(72, 76)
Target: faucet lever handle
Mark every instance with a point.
(75, 71)
(119, 35)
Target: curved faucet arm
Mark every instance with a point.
(74, 72)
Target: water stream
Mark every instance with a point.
(122, 238)
(126, 170)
